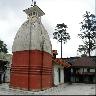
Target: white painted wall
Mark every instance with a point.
(92, 70)
(85, 69)
(62, 75)
(56, 76)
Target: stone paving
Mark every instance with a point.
(64, 89)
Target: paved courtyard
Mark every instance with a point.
(64, 89)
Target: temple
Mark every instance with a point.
(31, 67)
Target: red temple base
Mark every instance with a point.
(31, 70)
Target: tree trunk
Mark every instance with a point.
(95, 75)
(61, 46)
(89, 45)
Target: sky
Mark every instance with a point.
(69, 12)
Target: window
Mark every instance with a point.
(71, 70)
(92, 70)
(33, 13)
(88, 69)
(29, 14)
(85, 69)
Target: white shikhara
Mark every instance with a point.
(32, 36)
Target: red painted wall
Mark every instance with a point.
(31, 70)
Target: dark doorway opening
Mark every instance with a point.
(59, 74)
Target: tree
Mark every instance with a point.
(3, 47)
(82, 48)
(88, 33)
(61, 35)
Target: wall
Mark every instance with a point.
(56, 75)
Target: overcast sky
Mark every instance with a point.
(69, 12)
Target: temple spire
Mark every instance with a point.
(33, 3)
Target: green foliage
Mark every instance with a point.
(88, 33)
(3, 47)
(60, 33)
(82, 48)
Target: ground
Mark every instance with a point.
(64, 89)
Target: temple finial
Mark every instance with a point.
(34, 3)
